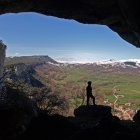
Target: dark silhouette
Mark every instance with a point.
(89, 93)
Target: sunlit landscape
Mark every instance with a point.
(48, 62)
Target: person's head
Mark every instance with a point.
(89, 82)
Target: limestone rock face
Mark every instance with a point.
(122, 16)
(2, 57)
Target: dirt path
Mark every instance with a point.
(119, 107)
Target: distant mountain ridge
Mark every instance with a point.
(43, 59)
(30, 59)
(133, 63)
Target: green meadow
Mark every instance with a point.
(73, 80)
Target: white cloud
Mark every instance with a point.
(16, 54)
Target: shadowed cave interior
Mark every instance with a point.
(20, 117)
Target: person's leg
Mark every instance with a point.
(87, 100)
(93, 99)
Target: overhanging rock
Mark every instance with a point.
(122, 16)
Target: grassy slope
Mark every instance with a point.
(102, 84)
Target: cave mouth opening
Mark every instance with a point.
(28, 34)
(62, 38)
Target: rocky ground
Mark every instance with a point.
(21, 122)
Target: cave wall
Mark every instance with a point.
(2, 58)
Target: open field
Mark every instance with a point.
(72, 81)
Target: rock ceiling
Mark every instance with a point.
(122, 16)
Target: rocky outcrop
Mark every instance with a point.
(97, 122)
(122, 16)
(2, 57)
(23, 73)
(136, 118)
(91, 116)
(91, 111)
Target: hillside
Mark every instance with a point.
(114, 83)
(24, 68)
(29, 60)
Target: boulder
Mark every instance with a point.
(98, 111)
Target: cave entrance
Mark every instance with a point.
(98, 50)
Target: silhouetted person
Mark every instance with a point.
(89, 93)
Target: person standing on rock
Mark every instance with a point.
(89, 93)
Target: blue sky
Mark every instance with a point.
(36, 34)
